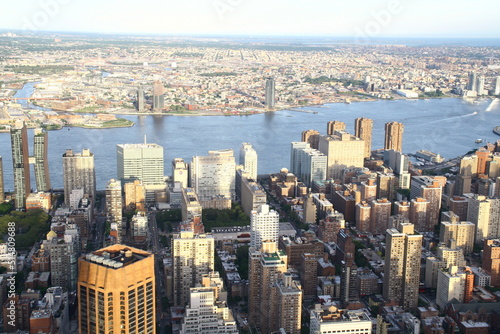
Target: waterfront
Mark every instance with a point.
(446, 126)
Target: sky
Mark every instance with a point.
(355, 18)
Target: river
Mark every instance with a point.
(447, 126)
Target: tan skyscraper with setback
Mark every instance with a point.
(116, 291)
(343, 150)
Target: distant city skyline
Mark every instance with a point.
(360, 20)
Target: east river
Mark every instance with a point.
(447, 126)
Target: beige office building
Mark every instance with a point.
(213, 177)
(116, 291)
(193, 256)
(135, 196)
(402, 266)
(180, 172)
(252, 195)
(343, 150)
(78, 173)
(248, 159)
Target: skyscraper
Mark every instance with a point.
(270, 94)
(142, 162)
(363, 128)
(20, 161)
(135, 196)
(158, 97)
(497, 86)
(307, 163)
(264, 226)
(274, 300)
(480, 85)
(42, 175)
(333, 126)
(140, 99)
(311, 137)
(402, 265)
(343, 150)
(213, 177)
(180, 172)
(394, 136)
(472, 82)
(114, 206)
(491, 260)
(2, 193)
(248, 158)
(78, 173)
(193, 256)
(116, 291)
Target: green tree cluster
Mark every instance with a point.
(30, 226)
(228, 217)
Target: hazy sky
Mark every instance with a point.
(372, 18)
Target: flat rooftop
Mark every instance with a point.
(116, 256)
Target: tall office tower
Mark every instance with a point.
(135, 196)
(480, 85)
(308, 273)
(462, 232)
(402, 208)
(399, 163)
(386, 184)
(363, 128)
(158, 97)
(363, 213)
(344, 257)
(20, 161)
(369, 189)
(274, 301)
(309, 165)
(485, 214)
(264, 226)
(343, 151)
(248, 159)
(379, 215)
(64, 253)
(447, 255)
(450, 285)
(42, 175)
(311, 137)
(329, 319)
(180, 172)
(142, 162)
(213, 177)
(205, 313)
(334, 126)
(193, 256)
(191, 207)
(270, 93)
(418, 212)
(431, 189)
(491, 260)
(472, 81)
(252, 195)
(394, 136)
(140, 99)
(116, 291)
(497, 86)
(468, 170)
(402, 265)
(114, 207)
(309, 210)
(2, 193)
(295, 158)
(483, 155)
(78, 173)
(459, 206)
(139, 226)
